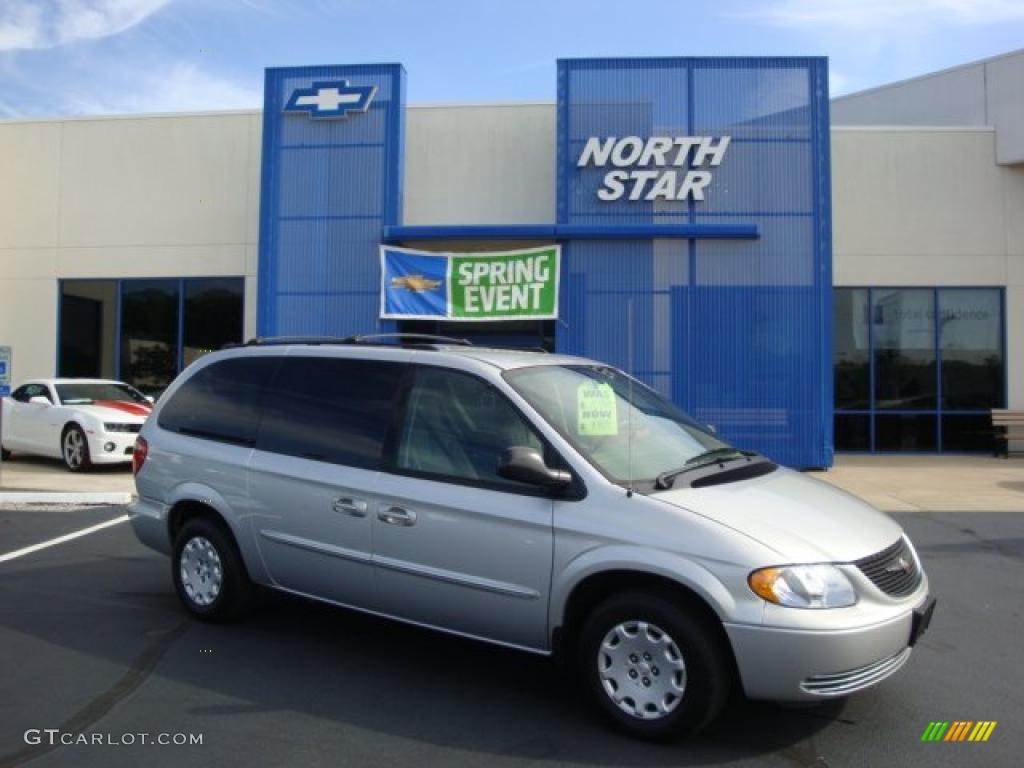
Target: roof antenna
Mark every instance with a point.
(629, 412)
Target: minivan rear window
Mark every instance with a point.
(330, 409)
(221, 401)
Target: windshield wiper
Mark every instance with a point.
(664, 481)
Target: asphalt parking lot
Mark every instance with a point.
(92, 641)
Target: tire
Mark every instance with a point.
(74, 449)
(678, 690)
(203, 553)
(4, 454)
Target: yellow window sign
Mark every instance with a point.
(595, 407)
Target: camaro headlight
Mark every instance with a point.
(803, 586)
(117, 427)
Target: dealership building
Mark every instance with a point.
(807, 275)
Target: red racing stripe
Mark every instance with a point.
(135, 409)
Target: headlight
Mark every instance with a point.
(118, 427)
(803, 586)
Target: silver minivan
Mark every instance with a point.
(539, 501)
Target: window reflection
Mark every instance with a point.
(88, 321)
(213, 315)
(970, 322)
(850, 346)
(904, 338)
(149, 333)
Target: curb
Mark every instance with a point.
(50, 497)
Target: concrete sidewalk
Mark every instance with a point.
(32, 474)
(932, 483)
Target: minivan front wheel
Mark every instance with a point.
(209, 575)
(656, 670)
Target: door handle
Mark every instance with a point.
(348, 506)
(397, 516)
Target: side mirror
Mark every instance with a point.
(526, 465)
(39, 400)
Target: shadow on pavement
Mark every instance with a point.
(292, 656)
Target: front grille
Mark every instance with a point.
(894, 570)
(844, 683)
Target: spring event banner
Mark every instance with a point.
(506, 285)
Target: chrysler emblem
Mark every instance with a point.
(900, 565)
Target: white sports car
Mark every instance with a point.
(82, 421)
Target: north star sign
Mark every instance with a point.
(331, 99)
(684, 156)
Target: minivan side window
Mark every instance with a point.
(221, 401)
(330, 409)
(457, 426)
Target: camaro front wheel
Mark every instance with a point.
(655, 669)
(75, 449)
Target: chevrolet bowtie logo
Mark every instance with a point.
(331, 99)
(415, 283)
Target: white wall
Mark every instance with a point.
(487, 164)
(982, 93)
(931, 207)
(150, 196)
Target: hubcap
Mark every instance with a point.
(201, 573)
(74, 447)
(641, 669)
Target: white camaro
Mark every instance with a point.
(82, 421)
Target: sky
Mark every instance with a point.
(81, 57)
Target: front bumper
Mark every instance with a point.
(123, 442)
(808, 665)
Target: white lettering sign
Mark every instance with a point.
(664, 155)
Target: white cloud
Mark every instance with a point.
(173, 87)
(865, 14)
(34, 24)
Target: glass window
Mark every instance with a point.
(221, 401)
(905, 433)
(904, 339)
(622, 429)
(27, 392)
(971, 327)
(88, 322)
(458, 426)
(327, 409)
(213, 315)
(967, 433)
(149, 333)
(85, 393)
(850, 344)
(853, 433)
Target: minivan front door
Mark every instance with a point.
(455, 546)
(314, 470)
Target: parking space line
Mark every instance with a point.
(61, 539)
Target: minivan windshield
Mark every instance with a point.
(594, 408)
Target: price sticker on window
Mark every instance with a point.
(596, 410)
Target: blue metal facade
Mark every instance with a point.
(735, 331)
(727, 299)
(328, 189)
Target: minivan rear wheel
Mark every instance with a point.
(208, 571)
(653, 668)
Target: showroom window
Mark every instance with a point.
(145, 331)
(917, 369)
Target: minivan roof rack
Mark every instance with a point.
(401, 339)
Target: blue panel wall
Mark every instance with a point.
(737, 332)
(329, 186)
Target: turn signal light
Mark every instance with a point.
(139, 454)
